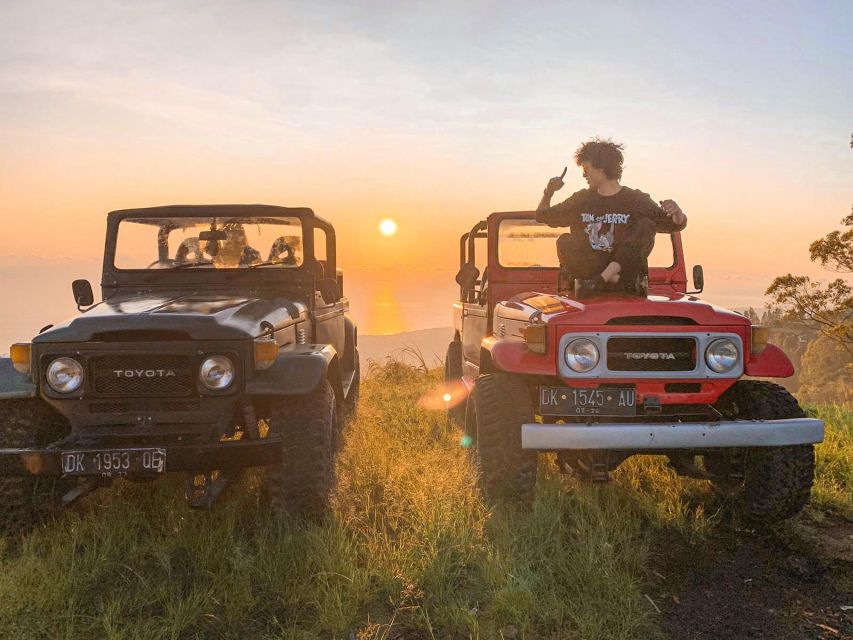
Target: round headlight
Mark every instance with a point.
(65, 375)
(582, 355)
(216, 373)
(722, 355)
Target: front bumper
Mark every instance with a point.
(195, 458)
(672, 435)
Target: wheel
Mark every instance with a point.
(351, 401)
(452, 377)
(502, 405)
(777, 481)
(26, 501)
(302, 484)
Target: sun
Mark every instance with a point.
(387, 227)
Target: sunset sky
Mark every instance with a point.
(433, 114)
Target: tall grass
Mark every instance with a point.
(410, 551)
(833, 488)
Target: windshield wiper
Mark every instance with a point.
(266, 263)
(189, 264)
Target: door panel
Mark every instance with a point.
(474, 321)
(329, 326)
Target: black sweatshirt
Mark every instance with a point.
(605, 219)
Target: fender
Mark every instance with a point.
(770, 363)
(512, 354)
(14, 384)
(351, 334)
(297, 370)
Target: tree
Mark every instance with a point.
(830, 307)
(825, 373)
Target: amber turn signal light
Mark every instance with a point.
(21, 354)
(534, 337)
(266, 351)
(759, 338)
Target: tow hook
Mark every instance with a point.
(651, 405)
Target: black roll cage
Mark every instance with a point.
(466, 256)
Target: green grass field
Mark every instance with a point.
(411, 550)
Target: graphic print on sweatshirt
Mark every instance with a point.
(599, 240)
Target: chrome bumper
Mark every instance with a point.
(672, 435)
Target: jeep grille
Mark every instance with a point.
(651, 354)
(141, 375)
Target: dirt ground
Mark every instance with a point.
(786, 585)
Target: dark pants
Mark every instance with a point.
(631, 253)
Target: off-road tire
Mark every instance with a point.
(503, 404)
(453, 374)
(777, 481)
(27, 501)
(302, 484)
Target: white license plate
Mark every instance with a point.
(114, 462)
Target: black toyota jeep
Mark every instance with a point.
(223, 341)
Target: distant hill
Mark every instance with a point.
(430, 343)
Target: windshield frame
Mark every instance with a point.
(163, 227)
(207, 277)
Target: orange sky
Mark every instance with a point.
(434, 116)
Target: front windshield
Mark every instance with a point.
(209, 243)
(525, 243)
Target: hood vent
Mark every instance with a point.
(652, 320)
(141, 335)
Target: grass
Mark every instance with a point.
(833, 487)
(410, 551)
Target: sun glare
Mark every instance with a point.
(387, 227)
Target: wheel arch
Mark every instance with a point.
(298, 370)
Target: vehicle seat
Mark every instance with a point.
(283, 250)
(189, 251)
(328, 287)
(483, 296)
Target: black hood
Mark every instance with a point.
(199, 315)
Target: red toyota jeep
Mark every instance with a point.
(601, 379)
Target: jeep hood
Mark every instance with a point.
(669, 308)
(200, 315)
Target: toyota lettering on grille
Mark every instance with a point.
(653, 356)
(144, 373)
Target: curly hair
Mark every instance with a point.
(602, 154)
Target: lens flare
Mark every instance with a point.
(444, 396)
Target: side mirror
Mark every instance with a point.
(698, 279)
(467, 276)
(83, 295)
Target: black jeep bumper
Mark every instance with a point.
(195, 458)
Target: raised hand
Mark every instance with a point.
(556, 183)
(673, 211)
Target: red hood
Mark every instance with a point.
(561, 310)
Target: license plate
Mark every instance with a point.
(110, 463)
(603, 401)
